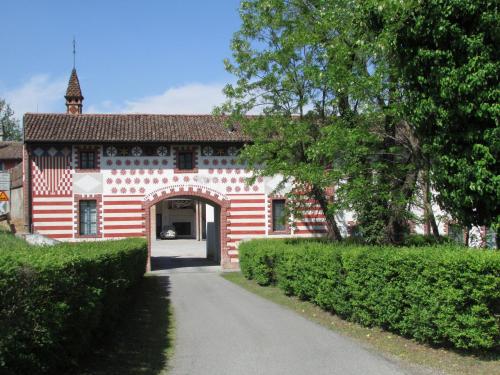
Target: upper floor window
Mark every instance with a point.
(87, 160)
(279, 215)
(185, 160)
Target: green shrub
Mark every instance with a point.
(259, 261)
(418, 240)
(55, 300)
(443, 294)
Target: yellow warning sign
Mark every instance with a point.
(3, 196)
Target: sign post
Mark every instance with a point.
(4, 192)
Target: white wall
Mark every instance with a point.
(176, 215)
(16, 204)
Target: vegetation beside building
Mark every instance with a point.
(442, 295)
(395, 104)
(54, 301)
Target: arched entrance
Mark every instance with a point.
(200, 193)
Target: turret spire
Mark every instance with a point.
(74, 97)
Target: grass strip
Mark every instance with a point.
(407, 352)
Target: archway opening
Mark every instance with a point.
(186, 231)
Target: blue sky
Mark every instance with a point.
(132, 56)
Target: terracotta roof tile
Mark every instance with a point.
(45, 127)
(11, 150)
(74, 90)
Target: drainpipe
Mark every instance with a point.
(197, 220)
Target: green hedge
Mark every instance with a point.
(54, 301)
(441, 295)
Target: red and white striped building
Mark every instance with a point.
(96, 177)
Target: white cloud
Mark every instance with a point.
(40, 93)
(43, 93)
(194, 98)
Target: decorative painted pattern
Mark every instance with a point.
(51, 172)
(123, 216)
(130, 184)
(53, 217)
(246, 220)
(311, 221)
(179, 188)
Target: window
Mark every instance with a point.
(88, 218)
(185, 160)
(87, 160)
(279, 215)
(456, 233)
(491, 238)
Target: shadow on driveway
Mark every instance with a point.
(141, 341)
(171, 262)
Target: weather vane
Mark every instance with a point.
(74, 53)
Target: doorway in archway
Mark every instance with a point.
(185, 231)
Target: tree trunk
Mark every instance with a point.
(333, 230)
(433, 224)
(397, 221)
(395, 230)
(403, 188)
(428, 212)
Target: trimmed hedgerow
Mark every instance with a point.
(54, 301)
(444, 295)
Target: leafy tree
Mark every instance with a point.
(321, 74)
(8, 123)
(448, 53)
(282, 69)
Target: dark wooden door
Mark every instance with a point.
(159, 225)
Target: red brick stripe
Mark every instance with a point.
(56, 236)
(247, 201)
(310, 223)
(247, 232)
(233, 209)
(116, 235)
(313, 216)
(121, 203)
(52, 211)
(51, 203)
(247, 224)
(247, 216)
(122, 211)
(124, 218)
(54, 228)
(51, 219)
(125, 226)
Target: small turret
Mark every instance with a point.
(74, 97)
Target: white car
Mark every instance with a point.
(168, 233)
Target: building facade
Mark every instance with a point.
(11, 154)
(11, 157)
(97, 177)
